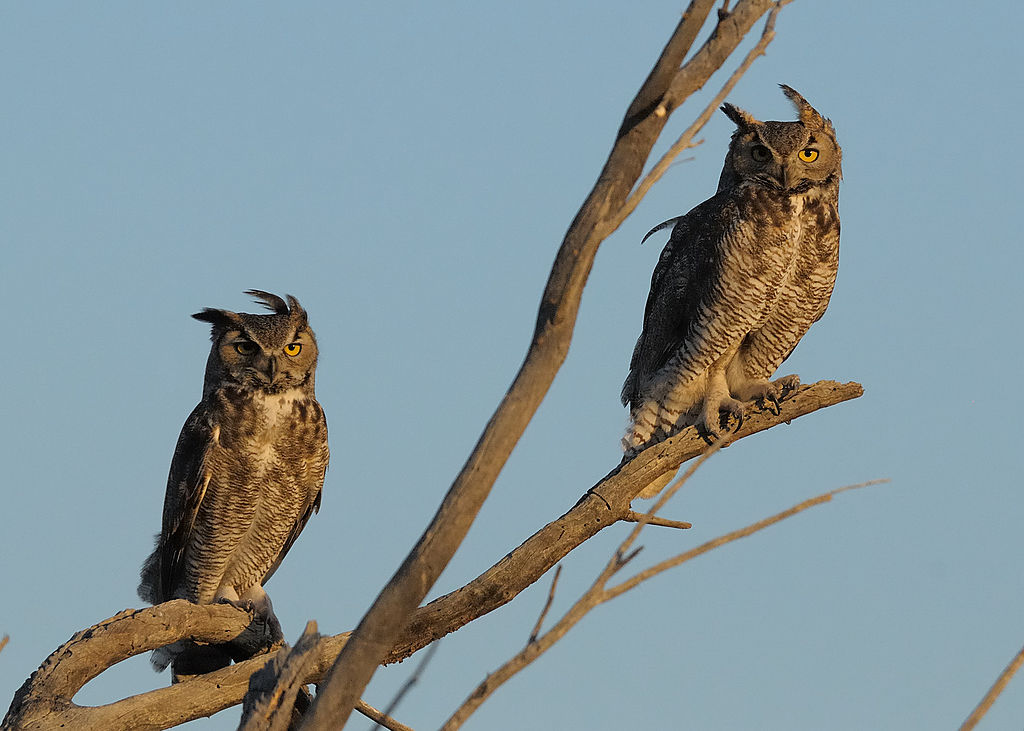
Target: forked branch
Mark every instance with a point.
(599, 593)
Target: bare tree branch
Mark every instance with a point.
(669, 563)
(685, 140)
(646, 518)
(412, 680)
(381, 718)
(44, 701)
(603, 505)
(598, 594)
(270, 704)
(668, 85)
(547, 607)
(3, 642)
(997, 688)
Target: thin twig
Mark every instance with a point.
(411, 681)
(685, 140)
(994, 691)
(547, 606)
(3, 642)
(380, 717)
(667, 493)
(597, 594)
(735, 535)
(634, 517)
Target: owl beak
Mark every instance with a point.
(785, 177)
(267, 369)
(271, 370)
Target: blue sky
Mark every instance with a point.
(408, 170)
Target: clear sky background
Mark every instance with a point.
(408, 170)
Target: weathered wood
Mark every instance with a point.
(276, 691)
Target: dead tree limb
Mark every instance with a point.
(997, 688)
(45, 700)
(669, 84)
(270, 704)
(604, 504)
(599, 593)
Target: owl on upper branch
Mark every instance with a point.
(742, 278)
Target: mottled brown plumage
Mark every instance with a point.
(742, 278)
(246, 474)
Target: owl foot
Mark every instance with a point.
(714, 422)
(770, 394)
(263, 634)
(246, 605)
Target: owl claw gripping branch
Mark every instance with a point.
(742, 278)
(246, 474)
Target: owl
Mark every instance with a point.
(742, 278)
(246, 475)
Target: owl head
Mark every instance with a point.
(269, 353)
(791, 157)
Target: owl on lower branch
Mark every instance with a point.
(742, 278)
(246, 475)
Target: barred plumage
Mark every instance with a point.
(742, 278)
(247, 471)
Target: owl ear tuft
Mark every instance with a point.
(271, 301)
(744, 120)
(808, 114)
(220, 319)
(298, 314)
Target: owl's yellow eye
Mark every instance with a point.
(245, 347)
(293, 349)
(808, 155)
(760, 153)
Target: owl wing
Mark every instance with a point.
(315, 470)
(673, 299)
(698, 298)
(186, 487)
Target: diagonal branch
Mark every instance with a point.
(270, 703)
(603, 505)
(599, 593)
(685, 140)
(735, 535)
(390, 612)
(997, 688)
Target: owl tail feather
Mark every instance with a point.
(661, 226)
(187, 658)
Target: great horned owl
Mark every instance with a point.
(246, 474)
(742, 278)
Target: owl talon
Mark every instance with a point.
(787, 384)
(716, 422)
(246, 605)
